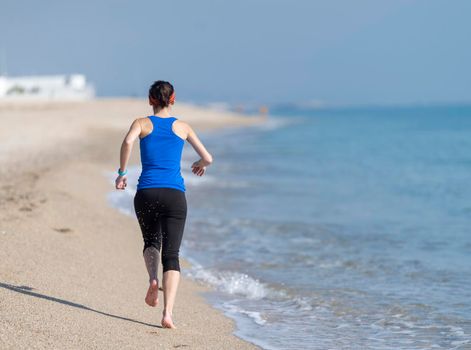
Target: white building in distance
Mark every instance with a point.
(50, 87)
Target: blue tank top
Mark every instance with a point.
(161, 153)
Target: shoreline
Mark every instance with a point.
(71, 271)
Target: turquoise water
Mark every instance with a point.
(339, 229)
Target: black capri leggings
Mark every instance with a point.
(161, 213)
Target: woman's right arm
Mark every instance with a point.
(125, 152)
(199, 167)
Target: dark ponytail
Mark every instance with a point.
(160, 94)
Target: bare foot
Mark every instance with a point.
(167, 321)
(152, 297)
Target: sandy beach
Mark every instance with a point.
(72, 273)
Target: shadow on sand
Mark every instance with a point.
(28, 291)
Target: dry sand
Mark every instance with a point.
(72, 273)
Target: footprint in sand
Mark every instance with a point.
(25, 209)
(63, 230)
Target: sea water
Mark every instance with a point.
(336, 228)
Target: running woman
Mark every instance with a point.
(160, 202)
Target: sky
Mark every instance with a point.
(249, 51)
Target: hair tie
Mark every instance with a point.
(172, 98)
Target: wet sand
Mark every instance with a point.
(72, 273)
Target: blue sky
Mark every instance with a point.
(255, 51)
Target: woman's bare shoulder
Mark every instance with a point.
(145, 124)
(181, 128)
(182, 124)
(142, 119)
(181, 121)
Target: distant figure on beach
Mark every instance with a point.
(263, 110)
(160, 201)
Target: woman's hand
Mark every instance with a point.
(198, 168)
(121, 182)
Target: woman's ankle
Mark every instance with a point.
(167, 313)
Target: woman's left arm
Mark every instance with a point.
(126, 148)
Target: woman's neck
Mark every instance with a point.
(162, 112)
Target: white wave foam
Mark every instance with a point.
(459, 343)
(275, 123)
(254, 315)
(193, 180)
(240, 284)
(329, 265)
(231, 282)
(303, 304)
